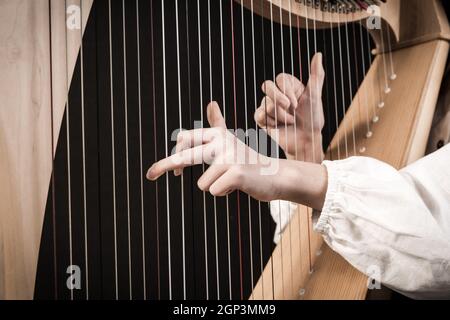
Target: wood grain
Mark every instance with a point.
(26, 131)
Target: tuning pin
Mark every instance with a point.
(393, 76)
(375, 119)
(387, 90)
(362, 150)
(369, 134)
(381, 105)
(301, 292)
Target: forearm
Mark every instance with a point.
(302, 182)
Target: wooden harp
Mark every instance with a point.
(89, 90)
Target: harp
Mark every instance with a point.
(86, 100)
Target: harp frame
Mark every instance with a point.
(28, 133)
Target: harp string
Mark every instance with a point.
(225, 116)
(380, 103)
(303, 156)
(52, 145)
(125, 90)
(336, 111)
(342, 83)
(361, 148)
(374, 119)
(393, 75)
(276, 128)
(247, 141)
(327, 103)
(83, 139)
(366, 89)
(387, 89)
(155, 141)
(188, 68)
(312, 127)
(295, 139)
(116, 275)
(144, 271)
(285, 131)
(257, 140)
(313, 140)
(169, 255)
(203, 165)
(182, 174)
(257, 145)
(350, 83)
(263, 34)
(69, 185)
(236, 127)
(216, 245)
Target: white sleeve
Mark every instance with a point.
(397, 222)
(282, 213)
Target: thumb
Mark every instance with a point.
(215, 117)
(317, 77)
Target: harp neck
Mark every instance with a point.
(408, 22)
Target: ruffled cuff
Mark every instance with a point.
(321, 220)
(282, 213)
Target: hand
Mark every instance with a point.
(235, 166)
(297, 112)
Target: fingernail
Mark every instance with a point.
(150, 174)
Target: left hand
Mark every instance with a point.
(233, 165)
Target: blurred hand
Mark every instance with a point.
(297, 112)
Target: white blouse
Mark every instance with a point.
(397, 222)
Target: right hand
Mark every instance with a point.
(297, 112)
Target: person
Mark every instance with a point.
(368, 212)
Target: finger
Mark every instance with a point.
(272, 91)
(317, 77)
(210, 176)
(263, 119)
(227, 183)
(280, 115)
(192, 138)
(215, 117)
(301, 88)
(289, 86)
(186, 158)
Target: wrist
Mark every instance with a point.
(308, 149)
(303, 183)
